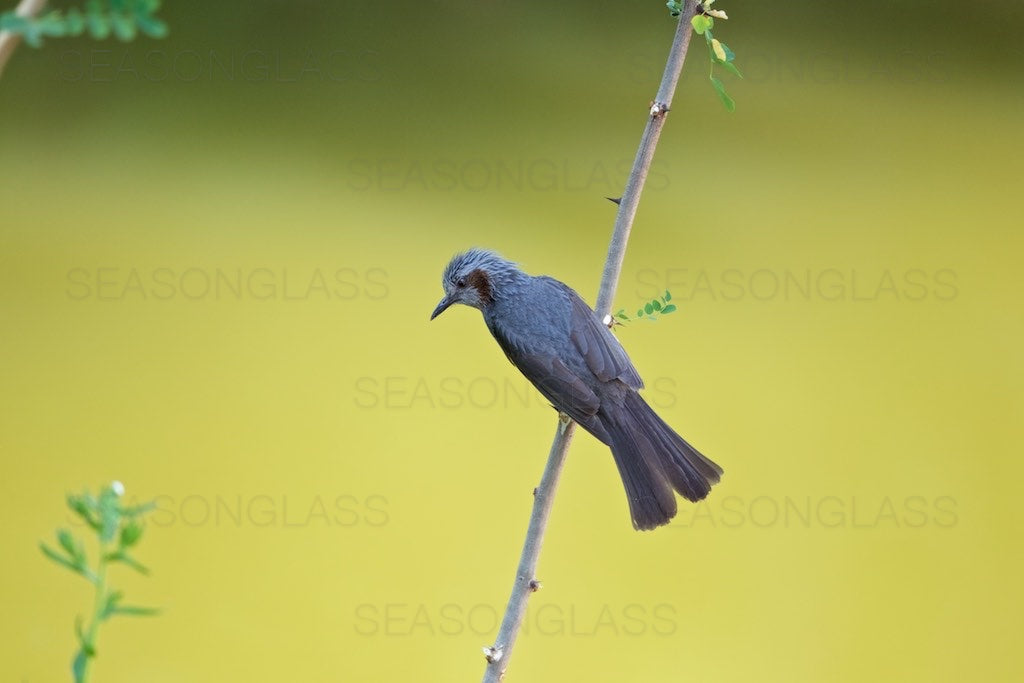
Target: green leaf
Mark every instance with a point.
(648, 308)
(74, 22)
(136, 510)
(123, 557)
(59, 559)
(674, 7)
(151, 26)
(640, 313)
(729, 55)
(134, 611)
(67, 541)
(656, 305)
(110, 605)
(701, 23)
(731, 68)
(32, 35)
(668, 309)
(668, 295)
(124, 27)
(110, 514)
(113, 607)
(78, 665)
(720, 89)
(718, 51)
(97, 22)
(84, 507)
(75, 564)
(131, 533)
(86, 646)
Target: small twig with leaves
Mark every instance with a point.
(719, 52)
(651, 310)
(123, 19)
(118, 529)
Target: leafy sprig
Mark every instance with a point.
(123, 19)
(720, 54)
(651, 310)
(118, 529)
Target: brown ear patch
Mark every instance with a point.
(482, 283)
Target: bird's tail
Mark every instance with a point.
(653, 460)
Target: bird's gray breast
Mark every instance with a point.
(535, 318)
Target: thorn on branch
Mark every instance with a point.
(535, 585)
(493, 654)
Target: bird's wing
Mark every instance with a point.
(602, 351)
(566, 391)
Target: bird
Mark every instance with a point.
(557, 341)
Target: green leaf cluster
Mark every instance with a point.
(118, 529)
(124, 19)
(718, 51)
(703, 21)
(651, 310)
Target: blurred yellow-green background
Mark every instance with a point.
(218, 253)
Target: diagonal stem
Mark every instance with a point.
(525, 582)
(642, 163)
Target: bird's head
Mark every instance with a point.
(476, 278)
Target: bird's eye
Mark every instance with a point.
(460, 282)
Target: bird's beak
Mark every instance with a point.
(441, 307)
